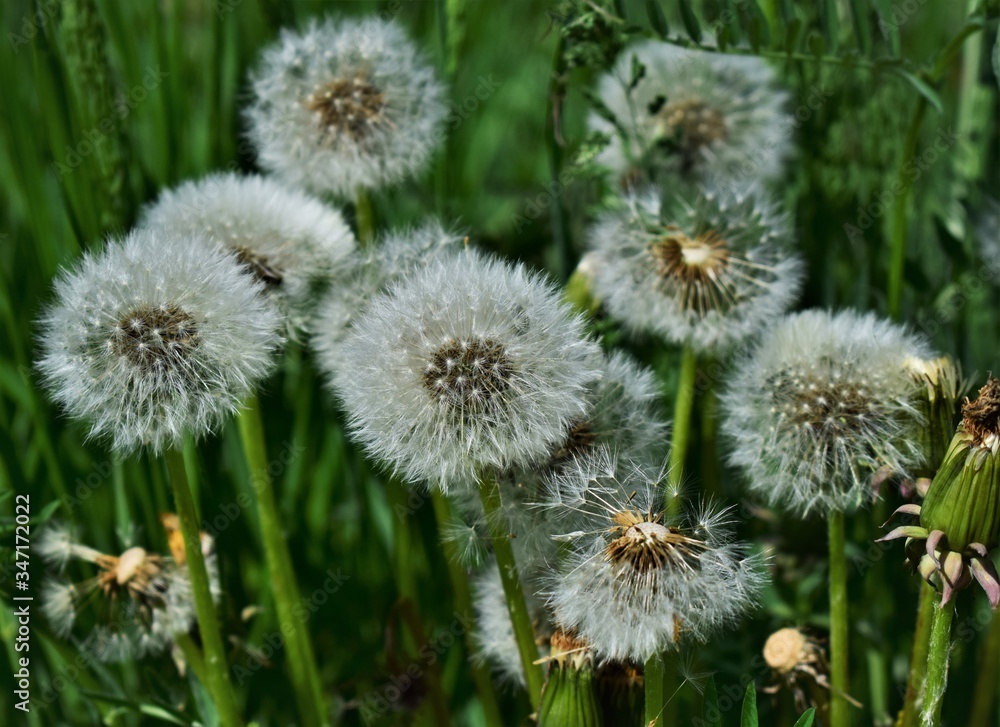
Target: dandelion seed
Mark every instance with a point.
(822, 403)
(693, 112)
(468, 365)
(638, 581)
(705, 267)
(345, 104)
(155, 337)
(292, 243)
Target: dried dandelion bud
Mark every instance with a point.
(960, 517)
(570, 693)
(938, 404)
(345, 104)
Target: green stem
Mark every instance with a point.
(984, 695)
(937, 664)
(489, 493)
(301, 660)
(364, 217)
(192, 656)
(553, 145)
(216, 667)
(463, 604)
(839, 664)
(403, 544)
(709, 410)
(653, 680)
(683, 403)
(918, 659)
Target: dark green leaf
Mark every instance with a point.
(792, 35)
(760, 33)
(888, 26)
(830, 23)
(816, 44)
(713, 717)
(862, 30)
(691, 23)
(807, 718)
(922, 88)
(749, 716)
(657, 19)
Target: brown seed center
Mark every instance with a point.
(350, 107)
(260, 266)
(981, 417)
(785, 649)
(692, 120)
(152, 337)
(648, 545)
(580, 438)
(697, 266)
(469, 375)
(819, 401)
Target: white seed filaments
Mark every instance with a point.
(153, 338)
(697, 267)
(348, 107)
(643, 544)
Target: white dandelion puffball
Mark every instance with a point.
(494, 632)
(693, 112)
(289, 241)
(373, 270)
(637, 581)
(470, 364)
(822, 402)
(156, 336)
(704, 267)
(346, 104)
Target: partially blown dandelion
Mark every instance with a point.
(469, 365)
(693, 112)
(155, 337)
(346, 104)
(144, 598)
(637, 581)
(704, 268)
(822, 403)
(291, 242)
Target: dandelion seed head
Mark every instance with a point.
(637, 581)
(819, 405)
(470, 364)
(290, 242)
(705, 267)
(154, 337)
(345, 104)
(693, 112)
(59, 606)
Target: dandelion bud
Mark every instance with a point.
(942, 382)
(570, 694)
(960, 517)
(345, 104)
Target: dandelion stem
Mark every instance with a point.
(680, 435)
(192, 656)
(216, 666)
(463, 604)
(301, 660)
(364, 217)
(985, 692)
(489, 493)
(653, 679)
(937, 664)
(839, 665)
(918, 659)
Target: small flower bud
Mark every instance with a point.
(942, 385)
(570, 694)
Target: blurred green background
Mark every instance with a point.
(105, 102)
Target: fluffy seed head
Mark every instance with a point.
(705, 267)
(374, 270)
(469, 364)
(156, 336)
(637, 581)
(694, 113)
(820, 404)
(290, 242)
(345, 104)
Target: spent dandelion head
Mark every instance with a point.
(287, 240)
(155, 337)
(637, 580)
(704, 267)
(692, 112)
(468, 365)
(345, 104)
(822, 403)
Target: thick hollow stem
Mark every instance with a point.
(301, 660)
(918, 658)
(463, 604)
(653, 680)
(216, 667)
(683, 403)
(489, 493)
(937, 665)
(839, 663)
(364, 217)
